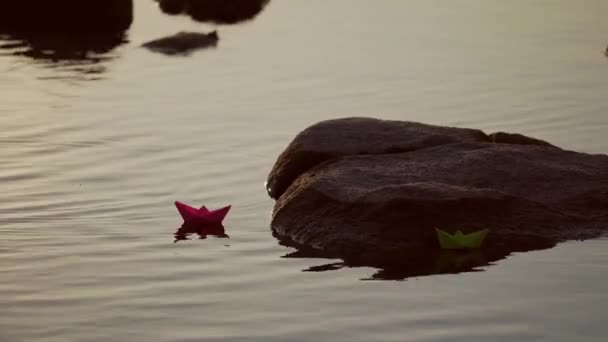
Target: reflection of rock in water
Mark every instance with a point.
(184, 232)
(216, 11)
(57, 47)
(406, 263)
(183, 43)
(69, 35)
(74, 57)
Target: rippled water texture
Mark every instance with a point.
(94, 151)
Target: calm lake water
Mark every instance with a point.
(93, 155)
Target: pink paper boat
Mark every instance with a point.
(201, 216)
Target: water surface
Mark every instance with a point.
(94, 152)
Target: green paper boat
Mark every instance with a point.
(460, 240)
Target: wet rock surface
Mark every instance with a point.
(371, 192)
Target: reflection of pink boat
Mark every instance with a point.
(184, 232)
(201, 216)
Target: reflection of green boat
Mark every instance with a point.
(459, 240)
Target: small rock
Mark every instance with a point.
(183, 43)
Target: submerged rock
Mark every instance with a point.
(183, 42)
(371, 192)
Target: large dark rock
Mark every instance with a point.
(371, 192)
(215, 11)
(358, 136)
(75, 16)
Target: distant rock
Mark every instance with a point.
(78, 17)
(215, 11)
(183, 43)
(173, 7)
(371, 192)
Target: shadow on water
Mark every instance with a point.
(74, 37)
(214, 11)
(406, 264)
